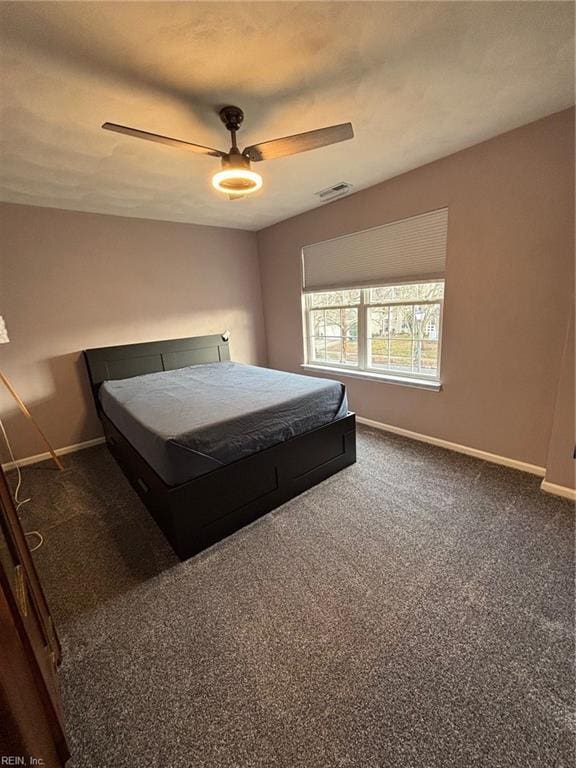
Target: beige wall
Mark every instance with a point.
(560, 465)
(70, 280)
(509, 282)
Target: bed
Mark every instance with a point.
(210, 445)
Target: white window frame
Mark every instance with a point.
(362, 368)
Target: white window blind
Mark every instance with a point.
(402, 251)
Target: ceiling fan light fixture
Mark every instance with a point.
(236, 179)
(240, 181)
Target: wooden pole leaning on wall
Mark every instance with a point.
(22, 405)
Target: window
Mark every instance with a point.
(373, 298)
(393, 330)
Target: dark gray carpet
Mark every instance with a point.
(416, 610)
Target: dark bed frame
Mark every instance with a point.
(196, 514)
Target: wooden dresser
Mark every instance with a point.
(31, 724)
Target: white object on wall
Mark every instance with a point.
(3, 332)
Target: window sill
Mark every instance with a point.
(405, 381)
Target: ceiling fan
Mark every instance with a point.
(236, 177)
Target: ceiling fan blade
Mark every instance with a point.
(300, 142)
(178, 143)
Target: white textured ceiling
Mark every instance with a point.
(418, 81)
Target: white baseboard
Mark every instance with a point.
(558, 490)
(494, 458)
(58, 451)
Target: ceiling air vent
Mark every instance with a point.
(330, 193)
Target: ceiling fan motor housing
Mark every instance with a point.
(235, 159)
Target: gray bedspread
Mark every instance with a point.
(190, 421)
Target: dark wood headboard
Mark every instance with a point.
(123, 362)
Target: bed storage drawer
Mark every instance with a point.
(214, 495)
(321, 448)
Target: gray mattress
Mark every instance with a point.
(190, 421)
